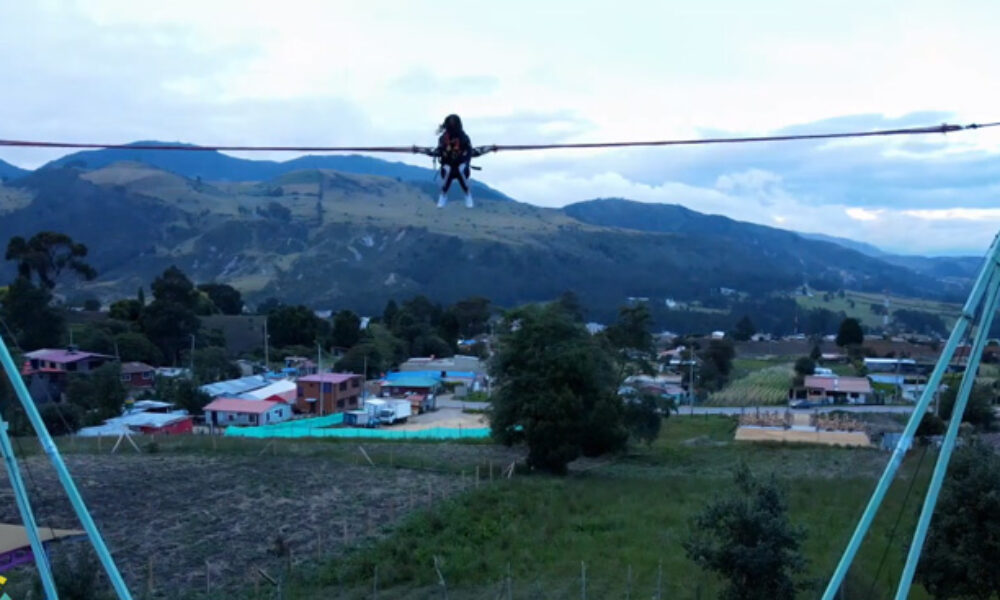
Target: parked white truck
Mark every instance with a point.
(388, 411)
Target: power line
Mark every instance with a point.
(943, 128)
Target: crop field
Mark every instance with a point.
(766, 387)
(189, 518)
(859, 306)
(197, 519)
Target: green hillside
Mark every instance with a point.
(332, 239)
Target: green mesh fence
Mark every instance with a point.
(327, 427)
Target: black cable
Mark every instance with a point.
(413, 149)
(895, 526)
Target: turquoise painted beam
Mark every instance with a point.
(948, 445)
(958, 332)
(49, 447)
(27, 516)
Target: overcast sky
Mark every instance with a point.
(373, 72)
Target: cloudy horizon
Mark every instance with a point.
(378, 73)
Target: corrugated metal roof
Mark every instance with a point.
(285, 389)
(62, 356)
(238, 405)
(329, 377)
(414, 382)
(235, 387)
(136, 367)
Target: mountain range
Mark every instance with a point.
(356, 231)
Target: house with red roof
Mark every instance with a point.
(328, 393)
(138, 375)
(817, 389)
(223, 412)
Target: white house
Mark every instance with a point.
(223, 412)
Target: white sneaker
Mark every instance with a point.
(468, 200)
(442, 200)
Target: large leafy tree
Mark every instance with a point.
(170, 320)
(296, 326)
(225, 297)
(632, 329)
(46, 255)
(555, 389)
(346, 329)
(716, 363)
(979, 409)
(99, 393)
(26, 313)
(747, 538)
(744, 329)
(850, 333)
(959, 556)
(472, 316)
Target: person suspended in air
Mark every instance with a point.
(455, 152)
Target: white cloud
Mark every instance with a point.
(861, 214)
(382, 72)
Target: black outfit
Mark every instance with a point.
(455, 154)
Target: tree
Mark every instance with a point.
(716, 363)
(46, 255)
(99, 393)
(389, 313)
(805, 366)
(127, 309)
(850, 333)
(170, 326)
(183, 392)
(136, 347)
(744, 329)
(173, 286)
(211, 364)
(295, 325)
(225, 297)
(959, 556)
(555, 390)
(979, 408)
(472, 316)
(746, 537)
(25, 310)
(570, 304)
(631, 330)
(642, 418)
(815, 354)
(346, 329)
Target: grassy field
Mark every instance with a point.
(765, 387)
(618, 516)
(862, 306)
(194, 505)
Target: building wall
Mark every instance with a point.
(276, 414)
(180, 427)
(139, 380)
(336, 397)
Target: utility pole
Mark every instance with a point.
(319, 371)
(267, 362)
(691, 377)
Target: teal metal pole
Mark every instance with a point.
(64, 477)
(961, 326)
(937, 479)
(27, 516)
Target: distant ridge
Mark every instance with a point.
(216, 166)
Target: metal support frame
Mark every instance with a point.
(27, 516)
(941, 467)
(990, 269)
(49, 447)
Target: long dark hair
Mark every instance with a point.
(452, 124)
